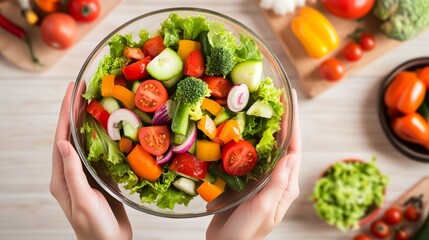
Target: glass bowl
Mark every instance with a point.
(197, 207)
(411, 150)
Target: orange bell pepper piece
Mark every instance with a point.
(125, 145)
(208, 127)
(125, 96)
(107, 85)
(209, 191)
(405, 93)
(212, 106)
(143, 164)
(186, 47)
(412, 128)
(230, 131)
(207, 150)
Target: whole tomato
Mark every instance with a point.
(412, 214)
(352, 52)
(84, 10)
(58, 30)
(393, 215)
(402, 235)
(362, 237)
(349, 9)
(332, 69)
(380, 229)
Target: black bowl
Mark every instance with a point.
(411, 150)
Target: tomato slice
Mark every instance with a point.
(239, 158)
(136, 71)
(150, 96)
(187, 164)
(154, 139)
(194, 64)
(219, 86)
(98, 112)
(153, 46)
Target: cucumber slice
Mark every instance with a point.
(136, 85)
(146, 118)
(260, 109)
(166, 65)
(185, 185)
(170, 83)
(249, 73)
(193, 148)
(129, 131)
(110, 104)
(241, 119)
(221, 117)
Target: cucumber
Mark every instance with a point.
(193, 148)
(171, 82)
(146, 118)
(129, 131)
(185, 185)
(136, 85)
(234, 182)
(241, 119)
(166, 65)
(260, 109)
(178, 138)
(209, 178)
(423, 233)
(221, 117)
(249, 73)
(110, 104)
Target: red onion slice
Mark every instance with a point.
(119, 115)
(190, 139)
(238, 97)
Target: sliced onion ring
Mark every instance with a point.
(238, 97)
(164, 114)
(165, 157)
(190, 139)
(122, 114)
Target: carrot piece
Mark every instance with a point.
(207, 125)
(125, 96)
(143, 164)
(209, 191)
(125, 145)
(107, 85)
(212, 106)
(186, 47)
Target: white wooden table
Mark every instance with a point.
(339, 124)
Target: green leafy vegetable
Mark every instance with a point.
(175, 28)
(248, 50)
(347, 191)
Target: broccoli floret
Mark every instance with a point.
(220, 62)
(403, 18)
(190, 93)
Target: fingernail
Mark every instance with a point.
(63, 148)
(291, 160)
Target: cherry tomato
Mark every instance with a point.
(352, 52)
(367, 41)
(239, 158)
(380, 229)
(393, 215)
(189, 165)
(412, 214)
(350, 9)
(84, 10)
(402, 235)
(59, 30)
(150, 96)
(136, 71)
(362, 237)
(332, 69)
(154, 139)
(153, 46)
(218, 86)
(194, 65)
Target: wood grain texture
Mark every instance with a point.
(341, 123)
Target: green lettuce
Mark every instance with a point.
(248, 49)
(175, 28)
(347, 191)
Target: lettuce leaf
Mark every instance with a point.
(248, 50)
(175, 28)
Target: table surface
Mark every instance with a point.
(341, 123)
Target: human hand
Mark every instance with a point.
(91, 214)
(256, 217)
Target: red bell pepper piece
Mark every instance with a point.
(136, 71)
(98, 112)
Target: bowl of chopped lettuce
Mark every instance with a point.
(181, 113)
(349, 193)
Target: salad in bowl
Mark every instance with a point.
(181, 113)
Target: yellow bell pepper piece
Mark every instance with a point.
(208, 127)
(125, 96)
(212, 106)
(315, 32)
(107, 84)
(186, 47)
(206, 150)
(209, 191)
(230, 131)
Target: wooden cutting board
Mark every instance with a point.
(307, 67)
(15, 50)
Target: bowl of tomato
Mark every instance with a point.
(181, 113)
(403, 108)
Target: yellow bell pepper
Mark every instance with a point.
(315, 32)
(206, 150)
(208, 127)
(212, 106)
(186, 47)
(125, 96)
(230, 131)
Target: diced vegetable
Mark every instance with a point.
(260, 109)
(249, 73)
(230, 131)
(129, 131)
(135, 86)
(208, 127)
(207, 150)
(221, 117)
(209, 191)
(212, 106)
(143, 164)
(144, 117)
(186, 47)
(153, 47)
(164, 114)
(190, 139)
(154, 139)
(234, 182)
(150, 96)
(238, 97)
(117, 117)
(194, 65)
(166, 157)
(137, 71)
(166, 65)
(189, 166)
(98, 112)
(186, 185)
(134, 53)
(125, 96)
(110, 104)
(125, 145)
(107, 85)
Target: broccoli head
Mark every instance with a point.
(403, 19)
(220, 62)
(190, 93)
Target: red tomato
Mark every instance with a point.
(412, 214)
(154, 139)
(137, 70)
(350, 9)
(367, 41)
(239, 158)
(189, 165)
(393, 215)
(150, 96)
(332, 69)
(120, 80)
(59, 30)
(98, 112)
(352, 52)
(362, 237)
(218, 86)
(380, 229)
(153, 46)
(84, 10)
(194, 64)
(402, 235)
(222, 101)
